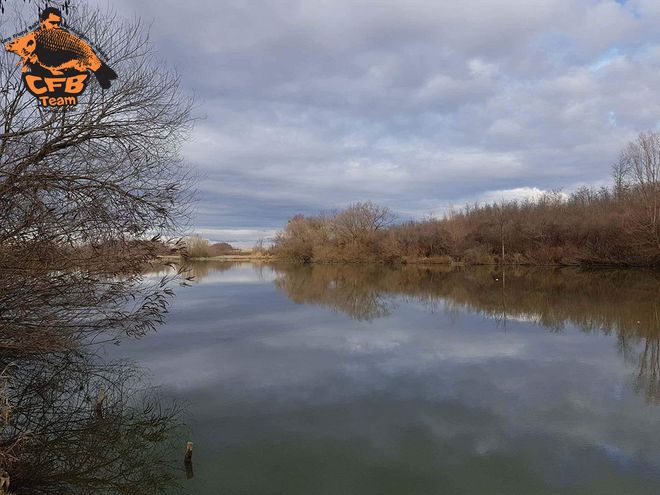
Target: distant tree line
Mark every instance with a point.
(618, 225)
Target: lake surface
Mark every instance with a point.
(413, 380)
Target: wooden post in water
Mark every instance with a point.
(187, 460)
(4, 482)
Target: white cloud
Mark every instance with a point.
(312, 105)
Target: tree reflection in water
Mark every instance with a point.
(625, 303)
(71, 424)
(362, 292)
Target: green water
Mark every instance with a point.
(413, 380)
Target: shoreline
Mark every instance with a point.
(415, 261)
(222, 257)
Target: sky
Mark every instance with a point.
(419, 105)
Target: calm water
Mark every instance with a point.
(375, 380)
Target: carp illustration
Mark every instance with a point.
(56, 50)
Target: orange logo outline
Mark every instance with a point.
(56, 61)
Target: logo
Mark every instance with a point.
(56, 62)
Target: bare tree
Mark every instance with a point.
(500, 208)
(640, 166)
(110, 168)
(361, 219)
(82, 191)
(86, 194)
(619, 174)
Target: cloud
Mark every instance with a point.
(415, 105)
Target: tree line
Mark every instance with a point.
(615, 225)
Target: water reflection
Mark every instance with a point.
(72, 424)
(361, 292)
(201, 270)
(372, 379)
(625, 303)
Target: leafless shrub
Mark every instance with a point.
(197, 246)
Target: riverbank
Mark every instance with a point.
(243, 256)
(416, 261)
